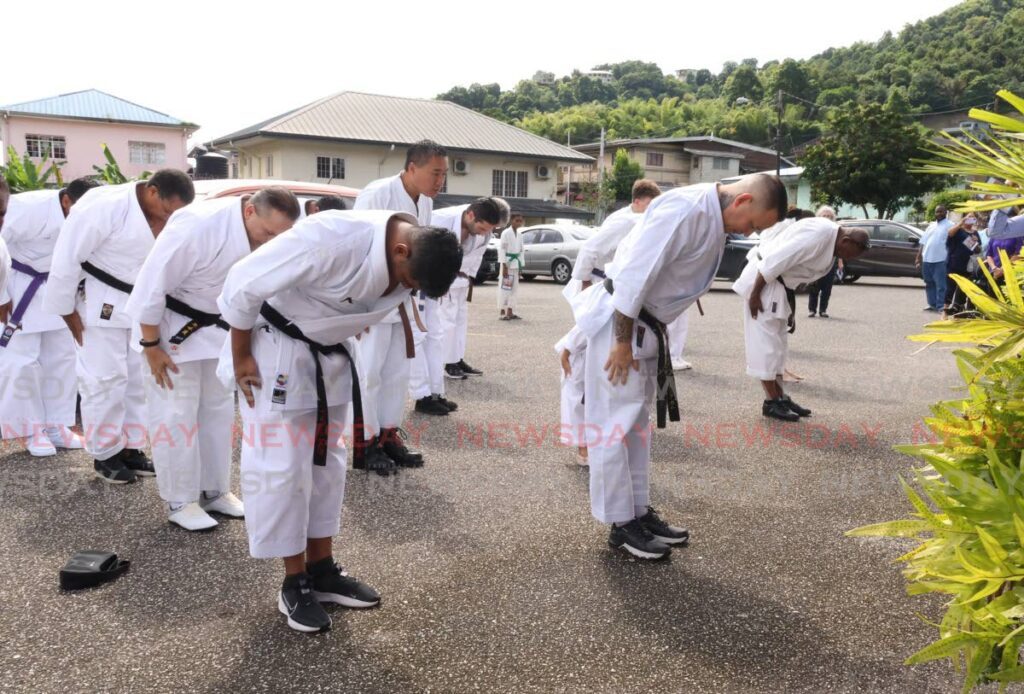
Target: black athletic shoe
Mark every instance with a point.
(824, 315)
(450, 404)
(136, 461)
(802, 411)
(453, 372)
(469, 370)
(299, 604)
(669, 534)
(113, 470)
(638, 541)
(376, 460)
(393, 443)
(778, 409)
(430, 405)
(812, 314)
(332, 584)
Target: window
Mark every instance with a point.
(330, 167)
(270, 165)
(530, 237)
(655, 159)
(720, 163)
(550, 236)
(146, 152)
(509, 184)
(234, 169)
(52, 146)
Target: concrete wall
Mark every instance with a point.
(84, 143)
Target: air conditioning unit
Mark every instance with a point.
(543, 171)
(460, 167)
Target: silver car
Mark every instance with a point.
(551, 249)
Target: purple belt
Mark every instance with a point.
(37, 281)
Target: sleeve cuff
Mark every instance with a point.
(625, 304)
(243, 320)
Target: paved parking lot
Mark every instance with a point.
(494, 576)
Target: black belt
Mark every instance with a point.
(285, 326)
(598, 273)
(199, 319)
(667, 401)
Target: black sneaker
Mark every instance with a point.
(812, 314)
(432, 406)
(823, 314)
(376, 460)
(638, 541)
(299, 604)
(801, 411)
(393, 443)
(778, 409)
(450, 404)
(332, 584)
(136, 461)
(453, 372)
(113, 470)
(469, 370)
(669, 534)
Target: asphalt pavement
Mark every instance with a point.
(493, 574)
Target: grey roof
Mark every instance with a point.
(92, 104)
(672, 141)
(371, 118)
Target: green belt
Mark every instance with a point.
(510, 257)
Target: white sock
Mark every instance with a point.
(175, 506)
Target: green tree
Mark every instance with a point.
(791, 77)
(624, 173)
(23, 174)
(743, 82)
(865, 159)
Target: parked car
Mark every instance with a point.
(548, 249)
(303, 190)
(893, 250)
(735, 258)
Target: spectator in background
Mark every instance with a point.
(931, 259)
(310, 207)
(962, 245)
(821, 289)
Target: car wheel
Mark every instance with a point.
(850, 279)
(527, 278)
(561, 271)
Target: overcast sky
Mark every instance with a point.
(227, 65)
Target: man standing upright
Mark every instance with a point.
(36, 351)
(664, 265)
(510, 258)
(107, 237)
(390, 344)
(931, 259)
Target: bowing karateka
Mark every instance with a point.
(665, 263)
(510, 266)
(107, 236)
(390, 345)
(36, 351)
(473, 225)
(795, 254)
(572, 352)
(295, 306)
(5, 256)
(599, 249)
(181, 335)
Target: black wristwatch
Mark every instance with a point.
(149, 343)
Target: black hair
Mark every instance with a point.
(331, 202)
(171, 183)
(79, 187)
(486, 210)
(276, 198)
(797, 213)
(775, 196)
(422, 152)
(435, 258)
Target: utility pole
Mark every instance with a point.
(600, 179)
(568, 171)
(778, 139)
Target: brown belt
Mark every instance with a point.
(469, 294)
(410, 346)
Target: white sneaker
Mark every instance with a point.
(681, 365)
(192, 517)
(227, 504)
(62, 437)
(40, 447)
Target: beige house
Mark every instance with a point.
(353, 138)
(676, 161)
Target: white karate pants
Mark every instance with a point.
(426, 372)
(455, 322)
(677, 331)
(766, 339)
(38, 387)
(387, 377)
(113, 396)
(507, 297)
(190, 431)
(573, 430)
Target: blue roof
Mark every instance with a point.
(92, 104)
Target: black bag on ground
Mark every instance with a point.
(90, 568)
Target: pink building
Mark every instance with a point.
(73, 128)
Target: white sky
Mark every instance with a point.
(228, 64)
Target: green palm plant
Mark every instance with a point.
(110, 173)
(22, 174)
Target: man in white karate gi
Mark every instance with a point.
(106, 239)
(473, 225)
(390, 346)
(796, 254)
(5, 257)
(510, 266)
(295, 306)
(37, 354)
(174, 308)
(665, 263)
